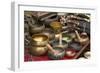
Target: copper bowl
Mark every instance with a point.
(38, 51)
(39, 40)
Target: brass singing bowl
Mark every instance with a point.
(57, 56)
(39, 40)
(84, 39)
(50, 33)
(56, 25)
(64, 45)
(38, 51)
(36, 28)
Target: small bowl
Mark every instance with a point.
(70, 53)
(50, 33)
(55, 43)
(58, 56)
(57, 26)
(84, 38)
(75, 45)
(39, 40)
(67, 38)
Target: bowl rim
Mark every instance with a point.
(35, 35)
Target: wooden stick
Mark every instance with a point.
(50, 48)
(84, 47)
(60, 39)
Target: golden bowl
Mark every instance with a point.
(37, 51)
(39, 40)
(56, 25)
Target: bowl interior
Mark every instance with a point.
(58, 50)
(56, 42)
(75, 45)
(56, 25)
(40, 38)
(66, 37)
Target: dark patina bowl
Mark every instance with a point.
(57, 56)
(55, 43)
(75, 45)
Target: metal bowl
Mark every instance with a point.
(37, 28)
(67, 38)
(72, 34)
(50, 33)
(75, 45)
(84, 39)
(70, 53)
(55, 43)
(39, 40)
(57, 26)
(58, 56)
(34, 50)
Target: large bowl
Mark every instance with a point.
(58, 56)
(38, 51)
(39, 40)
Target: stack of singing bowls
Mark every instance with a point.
(38, 44)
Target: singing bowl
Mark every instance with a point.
(38, 51)
(72, 34)
(39, 40)
(75, 45)
(55, 43)
(84, 39)
(66, 38)
(58, 56)
(70, 53)
(56, 25)
(50, 33)
(36, 28)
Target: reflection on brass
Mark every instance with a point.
(56, 25)
(34, 50)
(39, 40)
